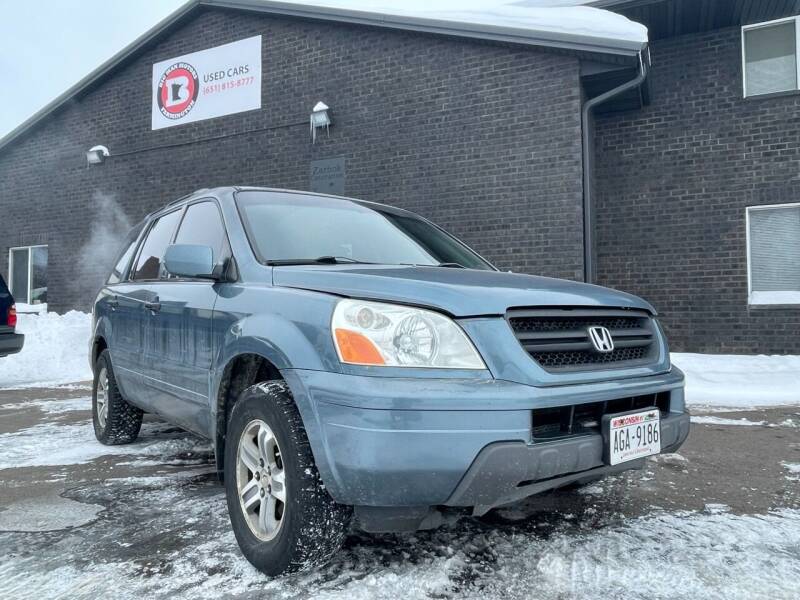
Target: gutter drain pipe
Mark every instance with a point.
(588, 207)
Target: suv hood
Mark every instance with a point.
(459, 292)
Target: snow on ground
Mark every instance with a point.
(56, 351)
(740, 381)
(51, 406)
(705, 420)
(55, 444)
(708, 554)
(794, 471)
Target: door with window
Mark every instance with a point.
(27, 269)
(124, 336)
(137, 308)
(179, 334)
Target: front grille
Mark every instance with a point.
(549, 424)
(558, 339)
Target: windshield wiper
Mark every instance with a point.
(451, 265)
(322, 260)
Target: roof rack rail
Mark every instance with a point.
(182, 198)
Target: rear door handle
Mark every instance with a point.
(155, 305)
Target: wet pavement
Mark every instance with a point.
(80, 520)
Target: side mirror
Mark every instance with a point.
(191, 261)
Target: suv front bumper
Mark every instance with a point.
(505, 472)
(421, 442)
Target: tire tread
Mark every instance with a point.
(124, 420)
(323, 522)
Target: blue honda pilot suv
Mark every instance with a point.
(353, 362)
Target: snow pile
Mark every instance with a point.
(740, 381)
(55, 351)
(562, 17)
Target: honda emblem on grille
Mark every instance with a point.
(601, 339)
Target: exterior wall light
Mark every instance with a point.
(320, 118)
(97, 155)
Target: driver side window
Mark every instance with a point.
(149, 265)
(202, 225)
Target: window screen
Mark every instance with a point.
(39, 275)
(19, 275)
(770, 55)
(775, 249)
(148, 265)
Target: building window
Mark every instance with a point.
(773, 254)
(769, 53)
(27, 270)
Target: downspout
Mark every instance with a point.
(588, 207)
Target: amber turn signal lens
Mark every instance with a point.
(357, 349)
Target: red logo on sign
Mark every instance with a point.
(177, 90)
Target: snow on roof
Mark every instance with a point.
(568, 18)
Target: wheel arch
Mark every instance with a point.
(249, 368)
(99, 344)
(240, 372)
(101, 333)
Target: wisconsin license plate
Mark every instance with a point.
(633, 435)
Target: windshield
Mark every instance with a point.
(293, 228)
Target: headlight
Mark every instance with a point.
(373, 333)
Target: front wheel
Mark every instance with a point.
(282, 515)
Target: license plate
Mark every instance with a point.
(632, 435)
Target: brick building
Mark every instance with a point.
(549, 151)
(681, 183)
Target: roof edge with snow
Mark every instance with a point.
(534, 36)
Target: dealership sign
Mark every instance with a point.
(207, 84)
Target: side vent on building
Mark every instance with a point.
(584, 339)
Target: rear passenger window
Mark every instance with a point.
(124, 258)
(148, 265)
(203, 226)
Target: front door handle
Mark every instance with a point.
(154, 306)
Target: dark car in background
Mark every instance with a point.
(10, 341)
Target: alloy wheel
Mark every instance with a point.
(102, 398)
(261, 480)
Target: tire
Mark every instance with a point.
(306, 528)
(115, 421)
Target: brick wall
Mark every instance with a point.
(482, 138)
(673, 181)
